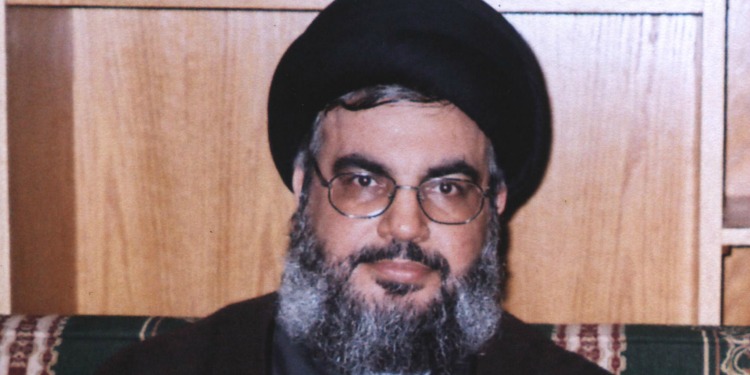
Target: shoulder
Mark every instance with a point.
(211, 345)
(521, 349)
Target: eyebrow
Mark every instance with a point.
(453, 167)
(358, 161)
(448, 168)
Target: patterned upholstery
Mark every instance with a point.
(70, 345)
(658, 349)
(67, 345)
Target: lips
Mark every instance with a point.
(401, 271)
(400, 268)
(401, 253)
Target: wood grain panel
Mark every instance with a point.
(162, 173)
(200, 4)
(738, 110)
(4, 213)
(736, 305)
(737, 211)
(42, 207)
(611, 235)
(736, 287)
(180, 208)
(587, 6)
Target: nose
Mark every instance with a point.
(404, 219)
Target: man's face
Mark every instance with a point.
(409, 142)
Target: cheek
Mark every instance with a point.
(316, 205)
(464, 247)
(339, 235)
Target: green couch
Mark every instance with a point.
(65, 345)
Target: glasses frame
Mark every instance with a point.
(396, 187)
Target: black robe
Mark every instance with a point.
(238, 339)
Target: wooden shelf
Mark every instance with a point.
(736, 237)
(560, 6)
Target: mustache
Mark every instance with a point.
(408, 250)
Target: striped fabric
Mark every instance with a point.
(655, 349)
(29, 344)
(76, 345)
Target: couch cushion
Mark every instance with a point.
(658, 349)
(55, 344)
(75, 345)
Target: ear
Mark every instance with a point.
(502, 196)
(298, 178)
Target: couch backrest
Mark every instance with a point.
(77, 345)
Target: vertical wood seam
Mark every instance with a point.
(4, 213)
(713, 81)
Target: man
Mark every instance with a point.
(408, 130)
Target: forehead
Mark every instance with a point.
(404, 136)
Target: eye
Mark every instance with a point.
(358, 180)
(363, 180)
(446, 187)
(442, 188)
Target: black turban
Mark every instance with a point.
(459, 50)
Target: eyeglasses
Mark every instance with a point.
(365, 195)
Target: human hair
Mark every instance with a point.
(371, 97)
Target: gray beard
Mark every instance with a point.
(347, 335)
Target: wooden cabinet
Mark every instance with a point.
(140, 180)
(737, 176)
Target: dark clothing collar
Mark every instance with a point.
(289, 358)
(239, 339)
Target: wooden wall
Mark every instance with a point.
(4, 213)
(141, 183)
(142, 136)
(609, 228)
(41, 172)
(737, 205)
(738, 115)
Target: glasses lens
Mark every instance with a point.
(450, 200)
(360, 194)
